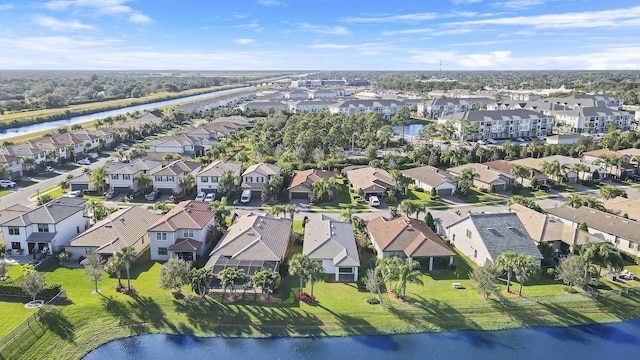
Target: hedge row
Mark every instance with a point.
(49, 291)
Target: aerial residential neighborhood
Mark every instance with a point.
(253, 200)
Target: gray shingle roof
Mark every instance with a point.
(328, 239)
(504, 233)
(50, 213)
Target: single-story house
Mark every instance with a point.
(483, 237)
(253, 243)
(409, 238)
(486, 177)
(301, 186)
(125, 227)
(429, 177)
(333, 243)
(506, 168)
(370, 180)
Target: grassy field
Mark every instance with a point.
(4, 192)
(477, 196)
(83, 318)
(425, 198)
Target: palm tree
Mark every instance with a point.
(347, 214)
(521, 172)
(299, 266)
(609, 192)
(588, 252)
(552, 169)
(607, 256)
(315, 274)
(388, 267)
(114, 266)
(580, 168)
(464, 181)
(228, 181)
(97, 179)
(407, 272)
(411, 206)
(508, 262)
(526, 268)
(574, 200)
(186, 183)
(144, 180)
(229, 277)
(119, 154)
(128, 255)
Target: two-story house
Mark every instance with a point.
(181, 232)
(167, 179)
(13, 166)
(210, 178)
(257, 177)
(46, 228)
(121, 176)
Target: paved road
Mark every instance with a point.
(21, 195)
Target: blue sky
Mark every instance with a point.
(320, 34)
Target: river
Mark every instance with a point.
(50, 125)
(601, 341)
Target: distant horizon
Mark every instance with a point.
(328, 35)
(317, 71)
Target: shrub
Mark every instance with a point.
(50, 290)
(306, 298)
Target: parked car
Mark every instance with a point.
(93, 155)
(4, 183)
(84, 161)
(490, 141)
(49, 169)
(374, 201)
(245, 197)
(210, 197)
(200, 196)
(123, 146)
(110, 194)
(482, 142)
(543, 187)
(75, 193)
(152, 195)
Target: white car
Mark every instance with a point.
(200, 196)
(75, 193)
(7, 183)
(374, 201)
(482, 142)
(491, 141)
(49, 169)
(210, 197)
(84, 162)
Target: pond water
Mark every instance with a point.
(49, 125)
(411, 129)
(602, 341)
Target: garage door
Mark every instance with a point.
(444, 192)
(76, 187)
(121, 189)
(167, 191)
(299, 195)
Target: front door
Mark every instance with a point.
(31, 246)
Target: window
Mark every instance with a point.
(43, 227)
(15, 245)
(162, 251)
(114, 176)
(78, 229)
(158, 178)
(188, 233)
(248, 179)
(469, 233)
(475, 253)
(126, 177)
(161, 236)
(260, 179)
(14, 231)
(204, 179)
(215, 179)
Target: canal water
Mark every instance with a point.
(601, 341)
(50, 125)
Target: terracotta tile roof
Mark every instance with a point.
(411, 236)
(185, 215)
(600, 152)
(185, 245)
(309, 177)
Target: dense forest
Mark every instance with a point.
(22, 90)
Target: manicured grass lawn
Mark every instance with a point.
(94, 197)
(55, 191)
(4, 192)
(342, 199)
(477, 196)
(425, 198)
(341, 310)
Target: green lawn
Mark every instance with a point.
(4, 192)
(81, 323)
(476, 196)
(54, 191)
(425, 198)
(342, 199)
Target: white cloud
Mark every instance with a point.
(271, 3)
(243, 41)
(57, 25)
(327, 30)
(462, 2)
(417, 17)
(330, 46)
(102, 7)
(590, 19)
(4, 7)
(518, 4)
(139, 18)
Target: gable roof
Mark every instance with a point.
(122, 228)
(254, 237)
(366, 177)
(485, 173)
(506, 167)
(178, 167)
(429, 175)
(326, 238)
(263, 168)
(186, 215)
(502, 233)
(600, 220)
(411, 236)
(133, 167)
(604, 152)
(52, 212)
(12, 211)
(309, 177)
(217, 168)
